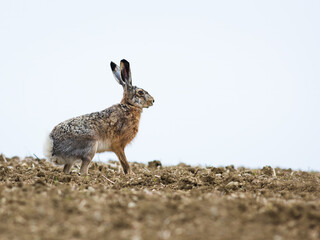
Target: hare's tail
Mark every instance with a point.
(48, 148)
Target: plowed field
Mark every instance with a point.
(38, 201)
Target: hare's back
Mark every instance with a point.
(78, 126)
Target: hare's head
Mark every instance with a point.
(133, 95)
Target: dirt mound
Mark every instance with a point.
(38, 201)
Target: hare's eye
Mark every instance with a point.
(140, 92)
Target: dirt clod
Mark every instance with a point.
(154, 164)
(267, 170)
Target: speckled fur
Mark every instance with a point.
(111, 129)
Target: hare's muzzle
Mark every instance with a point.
(150, 101)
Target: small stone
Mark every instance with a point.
(232, 185)
(131, 205)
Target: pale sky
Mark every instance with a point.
(234, 82)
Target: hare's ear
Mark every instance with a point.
(116, 73)
(125, 72)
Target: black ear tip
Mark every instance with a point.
(113, 66)
(125, 62)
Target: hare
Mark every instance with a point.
(80, 138)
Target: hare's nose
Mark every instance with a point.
(153, 100)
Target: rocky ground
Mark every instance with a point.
(38, 201)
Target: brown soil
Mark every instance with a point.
(38, 201)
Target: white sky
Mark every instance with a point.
(234, 82)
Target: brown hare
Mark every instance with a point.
(80, 138)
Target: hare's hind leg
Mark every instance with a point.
(84, 166)
(67, 168)
(123, 160)
(88, 150)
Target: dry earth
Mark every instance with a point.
(38, 201)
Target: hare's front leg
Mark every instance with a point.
(123, 160)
